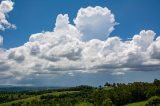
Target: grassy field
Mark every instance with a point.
(36, 97)
(137, 104)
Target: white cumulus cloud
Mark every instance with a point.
(5, 7)
(154, 49)
(1, 40)
(95, 22)
(63, 51)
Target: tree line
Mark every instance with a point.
(115, 94)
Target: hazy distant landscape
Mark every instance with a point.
(115, 94)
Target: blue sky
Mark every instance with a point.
(48, 46)
(33, 16)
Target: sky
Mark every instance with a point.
(68, 43)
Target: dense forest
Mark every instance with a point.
(115, 94)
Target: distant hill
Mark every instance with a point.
(11, 88)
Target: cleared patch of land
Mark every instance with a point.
(137, 104)
(55, 93)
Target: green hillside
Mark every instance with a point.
(37, 98)
(137, 104)
(118, 94)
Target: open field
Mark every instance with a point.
(137, 104)
(36, 97)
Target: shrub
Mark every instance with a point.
(153, 101)
(107, 102)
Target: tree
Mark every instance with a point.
(156, 82)
(99, 96)
(107, 84)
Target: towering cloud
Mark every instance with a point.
(144, 39)
(5, 7)
(154, 49)
(95, 22)
(63, 25)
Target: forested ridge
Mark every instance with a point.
(111, 94)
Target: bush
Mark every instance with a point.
(107, 102)
(153, 101)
